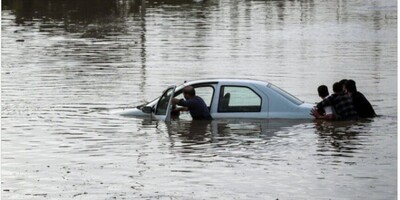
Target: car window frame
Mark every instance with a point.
(159, 101)
(201, 85)
(221, 91)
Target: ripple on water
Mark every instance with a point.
(68, 65)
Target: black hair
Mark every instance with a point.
(343, 81)
(337, 87)
(350, 86)
(323, 91)
(190, 91)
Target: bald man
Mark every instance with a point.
(194, 104)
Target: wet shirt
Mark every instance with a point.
(328, 109)
(197, 108)
(342, 104)
(363, 107)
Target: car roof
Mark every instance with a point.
(230, 80)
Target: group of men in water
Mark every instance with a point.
(346, 103)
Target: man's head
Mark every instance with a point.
(342, 82)
(323, 91)
(188, 92)
(337, 88)
(350, 86)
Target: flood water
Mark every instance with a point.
(67, 65)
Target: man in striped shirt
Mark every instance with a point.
(342, 104)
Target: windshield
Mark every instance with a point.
(285, 94)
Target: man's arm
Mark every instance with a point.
(181, 109)
(315, 113)
(182, 103)
(325, 102)
(175, 101)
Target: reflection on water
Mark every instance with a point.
(339, 138)
(92, 18)
(226, 133)
(66, 64)
(334, 138)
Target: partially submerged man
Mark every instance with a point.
(362, 105)
(194, 104)
(342, 104)
(327, 111)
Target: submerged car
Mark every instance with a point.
(231, 98)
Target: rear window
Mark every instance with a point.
(285, 94)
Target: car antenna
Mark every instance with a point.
(184, 81)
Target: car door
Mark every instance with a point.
(205, 91)
(164, 105)
(240, 101)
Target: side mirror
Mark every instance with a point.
(147, 109)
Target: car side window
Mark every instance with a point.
(206, 92)
(238, 99)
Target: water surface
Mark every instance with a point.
(66, 65)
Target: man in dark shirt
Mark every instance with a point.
(342, 104)
(363, 107)
(195, 104)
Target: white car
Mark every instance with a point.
(231, 98)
